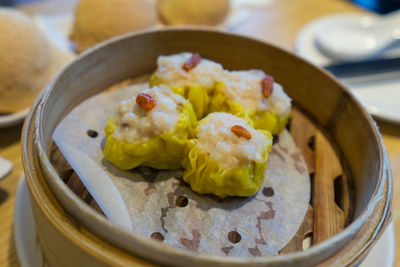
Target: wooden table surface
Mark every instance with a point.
(278, 24)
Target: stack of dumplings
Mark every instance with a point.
(215, 124)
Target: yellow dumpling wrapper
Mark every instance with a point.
(206, 176)
(198, 95)
(258, 119)
(164, 151)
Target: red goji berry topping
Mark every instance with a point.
(192, 62)
(267, 85)
(240, 131)
(145, 101)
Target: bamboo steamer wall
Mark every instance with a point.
(65, 238)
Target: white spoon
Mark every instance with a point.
(361, 40)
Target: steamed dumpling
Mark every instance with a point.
(150, 129)
(254, 95)
(190, 76)
(227, 157)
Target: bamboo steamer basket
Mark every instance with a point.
(350, 173)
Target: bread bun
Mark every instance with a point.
(98, 20)
(25, 61)
(202, 12)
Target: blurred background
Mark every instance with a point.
(380, 6)
(290, 24)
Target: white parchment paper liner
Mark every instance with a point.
(265, 223)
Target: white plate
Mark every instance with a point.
(30, 253)
(380, 99)
(12, 119)
(26, 241)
